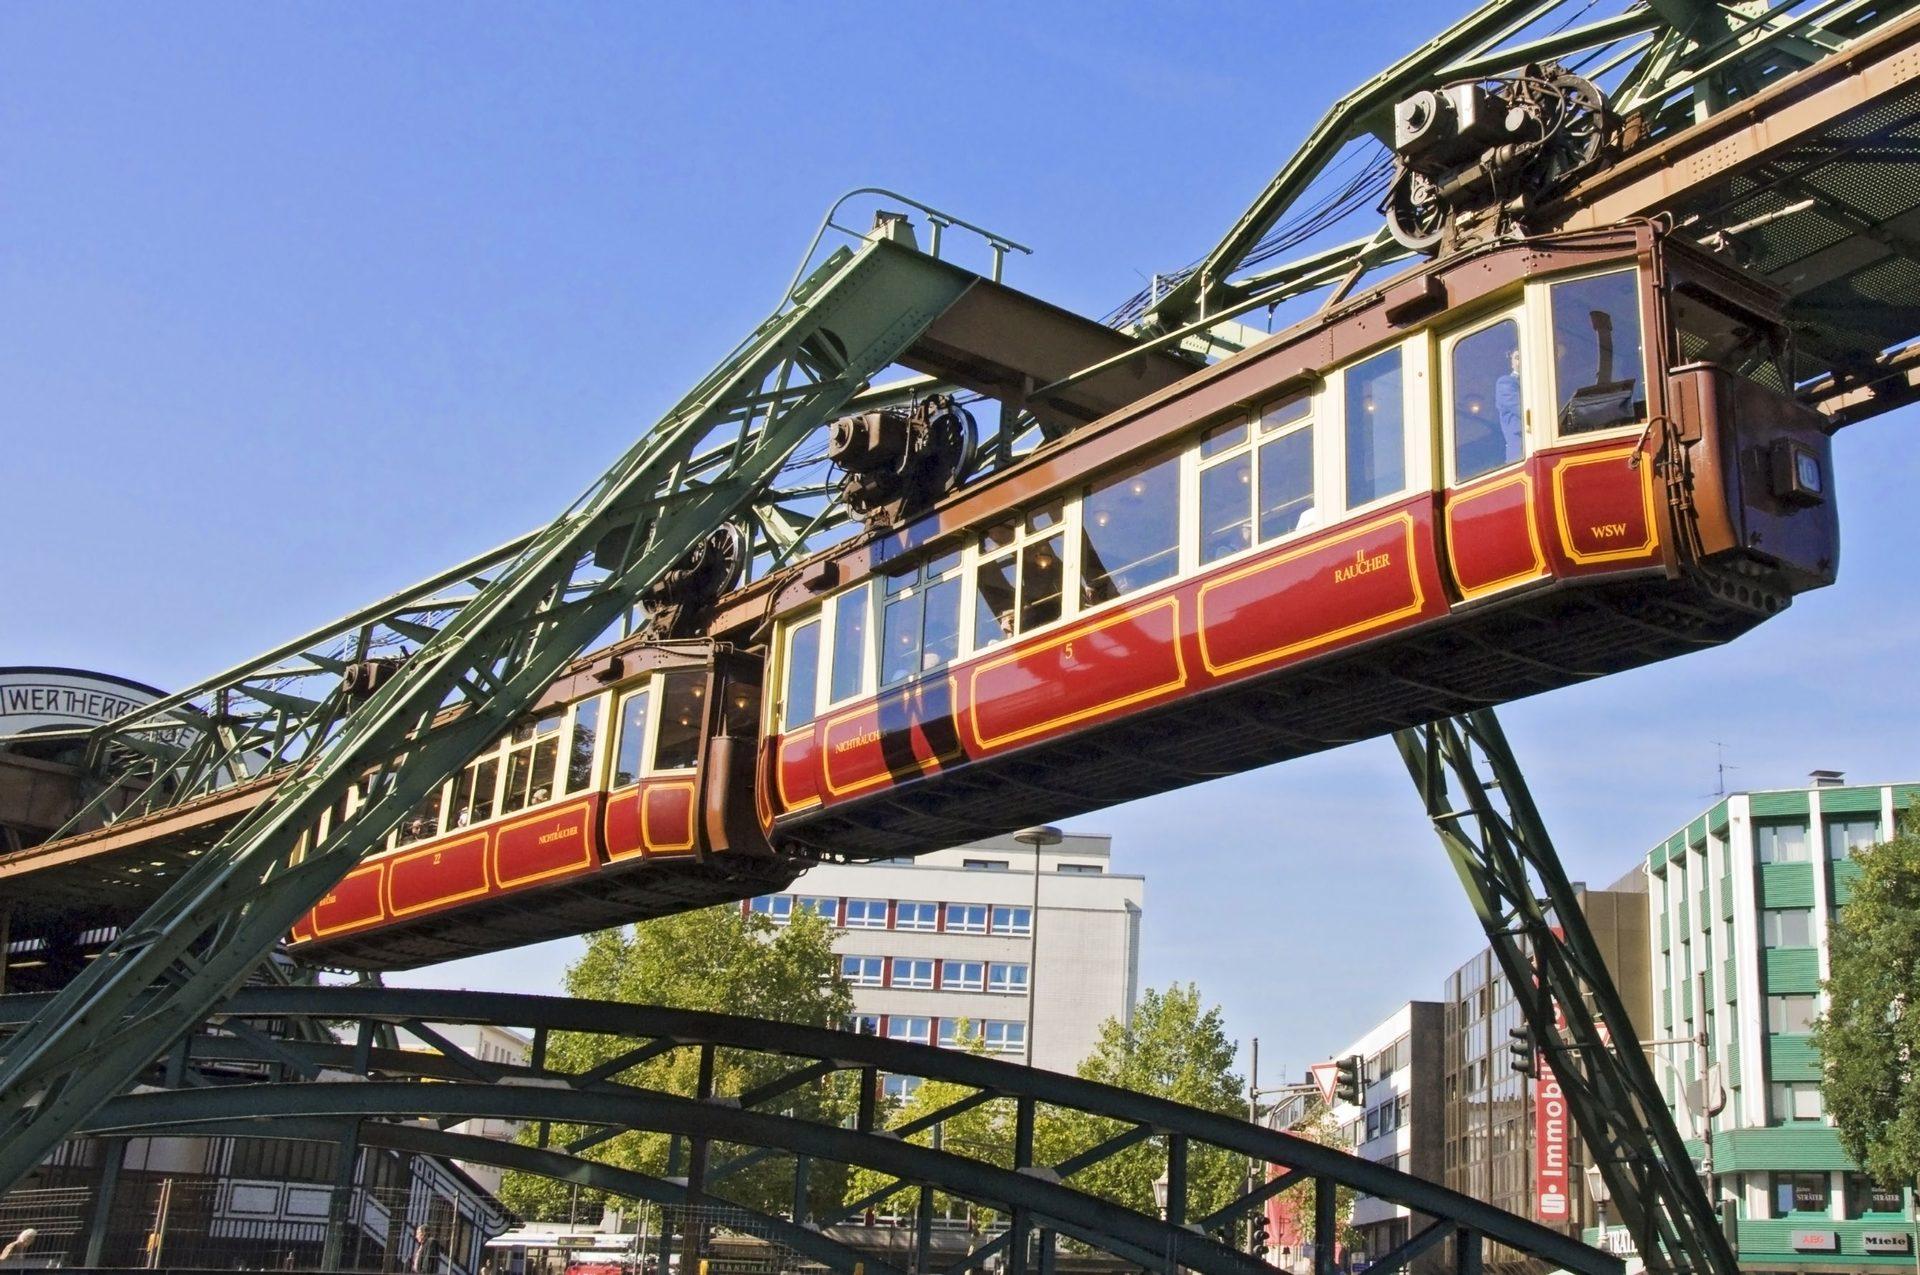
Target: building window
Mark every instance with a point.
(1796, 1101)
(777, 908)
(1865, 1196)
(864, 1024)
(916, 916)
(966, 918)
(951, 1037)
(827, 910)
(963, 976)
(1011, 920)
(1787, 927)
(916, 975)
(1782, 843)
(863, 971)
(866, 914)
(1004, 1037)
(910, 1028)
(985, 865)
(900, 1088)
(1791, 1015)
(1008, 978)
(1081, 869)
(1850, 836)
(1799, 1193)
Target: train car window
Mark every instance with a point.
(1226, 500)
(424, 822)
(742, 707)
(1286, 469)
(635, 714)
(920, 625)
(802, 684)
(477, 804)
(683, 719)
(1130, 531)
(1042, 572)
(993, 613)
(531, 762)
(1487, 413)
(1376, 429)
(1597, 358)
(586, 732)
(848, 676)
(1709, 330)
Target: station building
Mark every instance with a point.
(1032, 948)
(1743, 899)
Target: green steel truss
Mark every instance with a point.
(1664, 64)
(719, 1135)
(1480, 806)
(486, 649)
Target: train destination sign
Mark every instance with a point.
(36, 698)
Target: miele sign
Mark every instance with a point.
(37, 699)
(1886, 1242)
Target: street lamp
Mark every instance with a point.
(1161, 1185)
(1597, 1192)
(1037, 837)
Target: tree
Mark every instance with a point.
(1316, 1125)
(1172, 1049)
(715, 959)
(1869, 1038)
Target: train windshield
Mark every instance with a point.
(1597, 358)
(1709, 329)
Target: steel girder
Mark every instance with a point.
(705, 462)
(1477, 797)
(1665, 65)
(1036, 1196)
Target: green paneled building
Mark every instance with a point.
(1742, 901)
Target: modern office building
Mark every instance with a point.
(1032, 948)
(1743, 899)
(1491, 1148)
(1399, 1122)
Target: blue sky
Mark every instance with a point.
(305, 303)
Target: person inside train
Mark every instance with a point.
(1507, 406)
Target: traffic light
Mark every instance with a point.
(1257, 1234)
(1520, 1045)
(1346, 1080)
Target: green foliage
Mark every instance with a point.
(1869, 1038)
(719, 960)
(1173, 1049)
(1317, 1126)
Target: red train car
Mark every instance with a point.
(1511, 470)
(627, 793)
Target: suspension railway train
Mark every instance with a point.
(1512, 469)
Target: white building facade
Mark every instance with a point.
(1398, 1122)
(489, 1044)
(953, 940)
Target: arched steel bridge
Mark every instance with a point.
(403, 1098)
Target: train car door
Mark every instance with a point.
(1488, 526)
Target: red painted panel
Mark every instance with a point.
(1300, 600)
(1603, 509)
(550, 843)
(622, 823)
(436, 874)
(352, 904)
(1491, 540)
(666, 815)
(1089, 671)
(796, 771)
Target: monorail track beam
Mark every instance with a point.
(1477, 797)
(431, 712)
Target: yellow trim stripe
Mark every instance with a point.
(1539, 567)
(1125, 616)
(780, 773)
(441, 901)
(1323, 639)
(1646, 503)
(586, 845)
(322, 931)
(646, 830)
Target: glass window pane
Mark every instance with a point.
(1041, 572)
(1376, 429)
(1487, 419)
(1707, 329)
(1226, 508)
(940, 631)
(633, 738)
(1130, 531)
(546, 755)
(1046, 516)
(586, 729)
(1849, 836)
(993, 611)
(518, 766)
(849, 675)
(1286, 412)
(483, 784)
(1286, 484)
(803, 676)
(1596, 353)
(998, 536)
(1223, 438)
(900, 639)
(683, 720)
